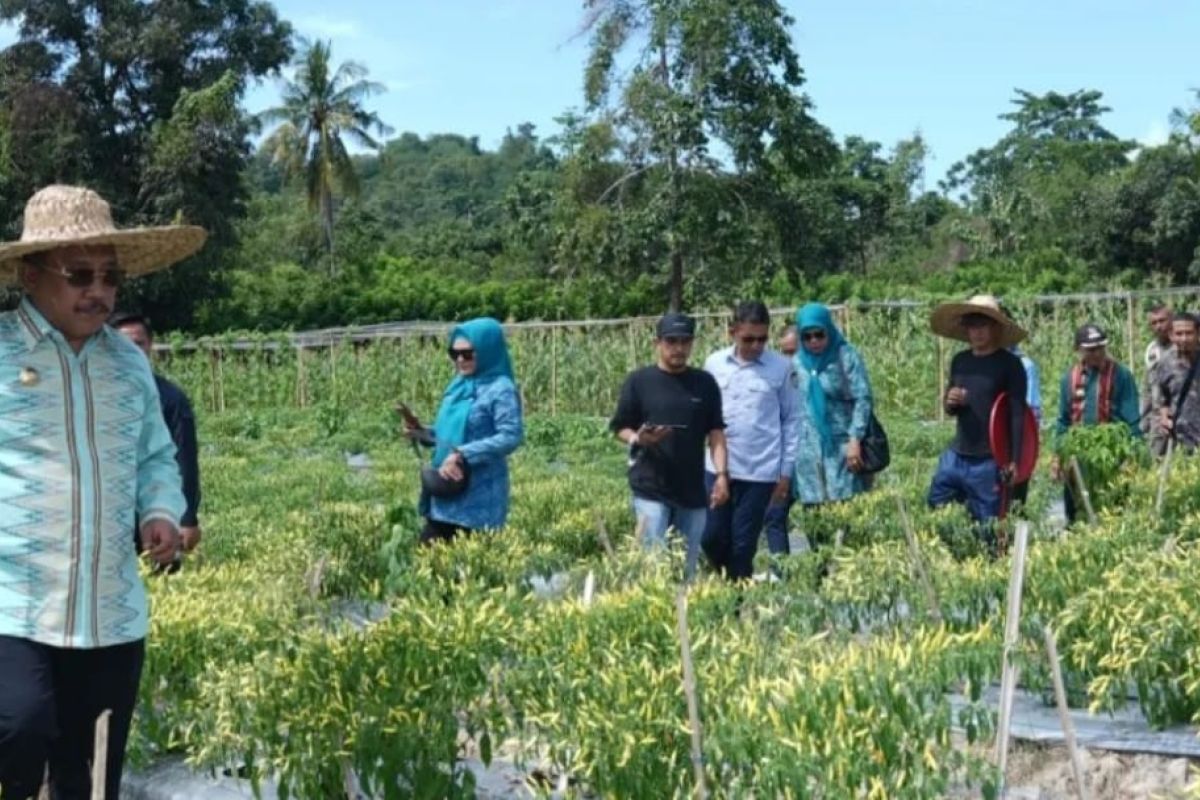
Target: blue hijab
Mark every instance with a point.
(491, 362)
(815, 315)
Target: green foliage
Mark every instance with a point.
(1105, 453)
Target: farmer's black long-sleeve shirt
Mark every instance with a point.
(181, 422)
(984, 378)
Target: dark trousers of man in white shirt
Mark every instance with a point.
(50, 698)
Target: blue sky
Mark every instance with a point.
(879, 69)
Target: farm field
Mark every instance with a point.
(311, 640)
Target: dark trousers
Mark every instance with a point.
(732, 530)
(438, 531)
(1070, 508)
(776, 525)
(973, 480)
(49, 701)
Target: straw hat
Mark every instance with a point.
(947, 319)
(67, 216)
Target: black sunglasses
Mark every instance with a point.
(466, 354)
(753, 339)
(86, 276)
(813, 336)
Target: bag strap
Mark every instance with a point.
(1187, 385)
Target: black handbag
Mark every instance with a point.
(876, 452)
(434, 485)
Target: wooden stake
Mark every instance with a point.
(933, 607)
(589, 589)
(605, 542)
(213, 379)
(1130, 326)
(100, 755)
(1064, 713)
(689, 690)
(554, 371)
(301, 379)
(1012, 622)
(1084, 494)
(941, 387)
(1163, 475)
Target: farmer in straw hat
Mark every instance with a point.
(83, 448)
(967, 472)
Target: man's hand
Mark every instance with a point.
(854, 455)
(189, 537)
(720, 492)
(650, 435)
(783, 488)
(1008, 473)
(452, 467)
(1165, 423)
(956, 396)
(160, 541)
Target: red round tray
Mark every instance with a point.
(999, 437)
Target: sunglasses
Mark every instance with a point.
(466, 354)
(752, 339)
(812, 336)
(86, 276)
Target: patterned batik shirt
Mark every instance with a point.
(83, 448)
(1167, 381)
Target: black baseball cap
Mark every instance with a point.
(676, 324)
(1089, 336)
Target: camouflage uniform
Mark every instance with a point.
(1166, 382)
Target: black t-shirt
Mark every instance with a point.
(671, 471)
(984, 378)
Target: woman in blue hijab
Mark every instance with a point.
(835, 407)
(478, 425)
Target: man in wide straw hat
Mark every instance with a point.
(83, 448)
(967, 472)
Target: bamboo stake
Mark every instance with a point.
(941, 387)
(212, 378)
(589, 589)
(554, 371)
(1084, 494)
(914, 551)
(100, 755)
(1163, 475)
(689, 690)
(1064, 714)
(301, 379)
(1012, 621)
(1129, 326)
(605, 542)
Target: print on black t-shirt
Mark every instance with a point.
(671, 471)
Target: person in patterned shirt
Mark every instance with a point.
(1174, 398)
(83, 450)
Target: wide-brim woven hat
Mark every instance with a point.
(948, 317)
(71, 216)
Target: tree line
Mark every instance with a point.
(696, 173)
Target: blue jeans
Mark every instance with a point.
(776, 525)
(731, 534)
(973, 480)
(655, 517)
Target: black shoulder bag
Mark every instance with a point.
(876, 452)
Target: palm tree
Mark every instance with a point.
(321, 109)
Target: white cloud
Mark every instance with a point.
(327, 28)
(1156, 134)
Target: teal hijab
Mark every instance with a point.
(815, 315)
(491, 362)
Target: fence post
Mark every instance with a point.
(941, 387)
(301, 379)
(554, 334)
(1130, 326)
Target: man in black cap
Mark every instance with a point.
(1096, 390)
(667, 413)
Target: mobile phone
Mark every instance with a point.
(409, 417)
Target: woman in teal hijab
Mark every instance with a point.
(835, 407)
(478, 425)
